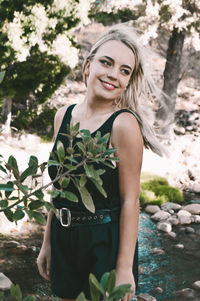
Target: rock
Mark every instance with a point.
(145, 297)
(158, 290)
(179, 130)
(179, 246)
(196, 285)
(192, 208)
(157, 251)
(160, 215)
(184, 217)
(195, 188)
(11, 244)
(173, 221)
(189, 230)
(152, 209)
(172, 234)
(170, 206)
(5, 282)
(165, 227)
(186, 293)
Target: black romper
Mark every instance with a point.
(80, 250)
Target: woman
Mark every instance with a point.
(117, 84)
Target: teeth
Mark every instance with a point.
(110, 86)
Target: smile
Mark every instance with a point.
(107, 85)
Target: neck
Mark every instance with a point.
(98, 106)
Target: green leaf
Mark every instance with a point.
(2, 295)
(76, 127)
(30, 298)
(98, 185)
(71, 159)
(18, 214)
(39, 218)
(110, 151)
(64, 182)
(33, 163)
(87, 199)
(103, 280)
(9, 214)
(29, 213)
(12, 165)
(83, 180)
(109, 164)
(120, 291)
(49, 206)
(3, 169)
(26, 173)
(81, 147)
(89, 170)
(81, 297)
(53, 156)
(110, 284)
(69, 195)
(8, 193)
(6, 187)
(43, 166)
(54, 193)
(60, 151)
(39, 194)
(3, 204)
(35, 205)
(2, 74)
(53, 163)
(95, 288)
(16, 292)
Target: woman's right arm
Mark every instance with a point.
(44, 257)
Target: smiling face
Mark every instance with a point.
(109, 72)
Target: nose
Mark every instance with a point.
(112, 73)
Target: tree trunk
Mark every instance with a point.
(7, 114)
(171, 76)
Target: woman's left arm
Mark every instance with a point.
(127, 138)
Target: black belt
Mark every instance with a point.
(76, 218)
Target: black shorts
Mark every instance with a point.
(78, 251)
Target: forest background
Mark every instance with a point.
(42, 47)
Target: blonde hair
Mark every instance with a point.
(141, 89)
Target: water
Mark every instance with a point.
(175, 269)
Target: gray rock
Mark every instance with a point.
(196, 285)
(151, 209)
(145, 297)
(165, 227)
(186, 293)
(157, 251)
(192, 208)
(160, 215)
(184, 217)
(179, 246)
(173, 221)
(5, 282)
(195, 188)
(158, 290)
(179, 130)
(189, 230)
(170, 206)
(172, 234)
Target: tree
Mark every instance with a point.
(37, 50)
(178, 19)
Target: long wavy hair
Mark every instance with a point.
(141, 92)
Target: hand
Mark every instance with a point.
(44, 261)
(124, 276)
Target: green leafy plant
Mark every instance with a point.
(16, 295)
(105, 289)
(22, 193)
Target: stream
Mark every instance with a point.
(172, 270)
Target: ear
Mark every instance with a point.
(87, 68)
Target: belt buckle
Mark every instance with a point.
(68, 217)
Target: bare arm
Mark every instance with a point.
(127, 138)
(44, 258)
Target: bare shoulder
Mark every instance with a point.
(126, 126)
(58, 119)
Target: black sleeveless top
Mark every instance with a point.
(109, 178)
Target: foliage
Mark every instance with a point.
(16, 295)
(37, 47)
(154, 15)
(156, 190)
(105, 289)
(22, 193)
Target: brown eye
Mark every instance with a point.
(125, 71)
(105, 62)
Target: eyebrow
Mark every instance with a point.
(109, 58)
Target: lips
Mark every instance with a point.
(107, 85)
